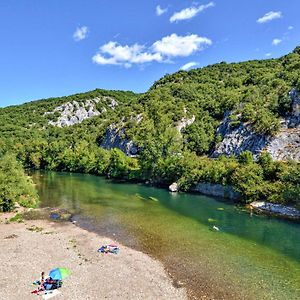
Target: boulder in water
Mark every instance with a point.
(174, 187)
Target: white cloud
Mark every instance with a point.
(174, 45)
(161, 51)
(160, 11)
(189, 65)
(276, 42)
(189, 12)
(272, 15)
(114, 54)
(290, 27)
(80, 33)
(268, 54)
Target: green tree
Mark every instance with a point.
(15, 185)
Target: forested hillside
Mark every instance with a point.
(174, 126)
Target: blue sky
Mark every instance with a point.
(59, 47)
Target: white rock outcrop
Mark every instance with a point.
(74, 112)
(238, 139)
(284, 146)
(184, 122)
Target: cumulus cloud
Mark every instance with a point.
(290, 27)
(189, 12)
(161, 51)
(176, 45)
(189, 66)
(276, 42)
(268, 54)
(80, 33)
(113, 53)
(160, 11)
(272, 15)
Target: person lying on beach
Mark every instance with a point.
(47, 284)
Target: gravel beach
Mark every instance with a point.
(30, 247)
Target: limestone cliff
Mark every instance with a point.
(284, 146)
(115, 135)
(235, 139)
(116, 138)
(74, 112)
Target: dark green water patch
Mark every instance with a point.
(248, 258)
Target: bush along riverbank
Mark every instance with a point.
(253, 180)
(15, 185)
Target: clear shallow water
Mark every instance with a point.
(249, 258)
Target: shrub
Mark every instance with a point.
(15, 185)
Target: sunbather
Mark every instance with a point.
(47, 284)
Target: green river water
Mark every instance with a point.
(249, 258)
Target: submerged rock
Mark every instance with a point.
(54, 214)
(278, 210)
(60, 216)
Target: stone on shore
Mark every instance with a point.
(174, 187)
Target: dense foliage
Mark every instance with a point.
(255, 92)
(15, 185)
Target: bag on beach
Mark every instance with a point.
(109, 249)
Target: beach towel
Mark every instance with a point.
(109, 249)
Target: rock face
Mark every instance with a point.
(74, 112)
(184, 122)
(237, 140)
(284, 146)
(276, 209)
(216, 190)
(116, 138)
(295, 117)
(115, 135)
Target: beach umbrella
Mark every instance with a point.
(59, 273)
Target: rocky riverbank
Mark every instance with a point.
(276, 210)
(228, 192)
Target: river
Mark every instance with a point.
(250, 257)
